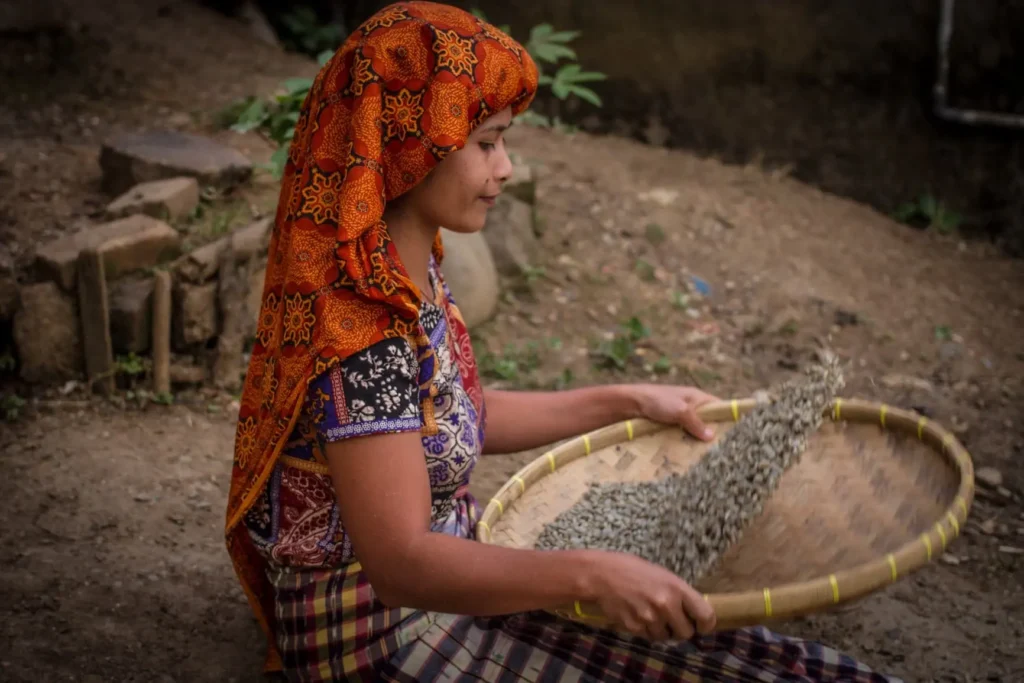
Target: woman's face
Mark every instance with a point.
(458, 192)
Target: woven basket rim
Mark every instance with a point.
(740, 608)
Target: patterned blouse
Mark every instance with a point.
(295, 523)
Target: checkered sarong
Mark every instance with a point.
(331, 627)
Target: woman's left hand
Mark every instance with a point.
(669, 404)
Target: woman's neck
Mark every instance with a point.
(414, 240)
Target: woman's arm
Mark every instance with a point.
(384, 500)
(521, 420)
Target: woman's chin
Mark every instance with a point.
(466, 227)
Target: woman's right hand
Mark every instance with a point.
(646, 599)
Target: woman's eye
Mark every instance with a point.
(487, 146)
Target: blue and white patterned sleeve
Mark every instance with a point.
(372, 392)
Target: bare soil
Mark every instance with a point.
(113, 566)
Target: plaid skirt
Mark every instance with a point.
(331, 627)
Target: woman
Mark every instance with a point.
(349, 520)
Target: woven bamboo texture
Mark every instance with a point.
(878, 493)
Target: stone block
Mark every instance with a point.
(252, 240)
(254, 293)
(48, 335)
(509, 233)
(471, 276)
(200, 265)
(132, 158)
(246, 243)
(131, 314)
(168, 200)
(127, 244)
(196, 318)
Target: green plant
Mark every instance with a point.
(548, 46)
(11, 405)
(615, 353)
(7, 362)
(928, 212)
(304, 32)
(511, 364)
(163, 398)
(130, 365)
(645, 270)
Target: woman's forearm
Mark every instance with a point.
(454, 575)
(521, 420)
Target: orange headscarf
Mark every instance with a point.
(405, 90)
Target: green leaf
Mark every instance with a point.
(552, 53)
(251, 118)
(532, 118)
(544, 79)
(585, 94)
(541, 31)
(588, 76)
(563, 36)
(278, 161)
(560, 89)
(298, 85)
(324, 57)
(929, 205)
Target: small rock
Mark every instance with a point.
(659, 195)
(1004, 492)
(1011, 550)
(166, 200)
(182, 373)
(471, 276)
(195, 316)
(989, 476)
(846, 318)
(127, 244)
(897, 381)
(47, 334)
(988, 527)
(904, 356)
(951, 559)
(129, 159)
(950, 350)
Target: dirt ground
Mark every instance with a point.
(113, 566)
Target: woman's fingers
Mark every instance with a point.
(682, 628)
(689, 421)
(700, 610)
(656, 626)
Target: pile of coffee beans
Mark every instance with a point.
(684, 522)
